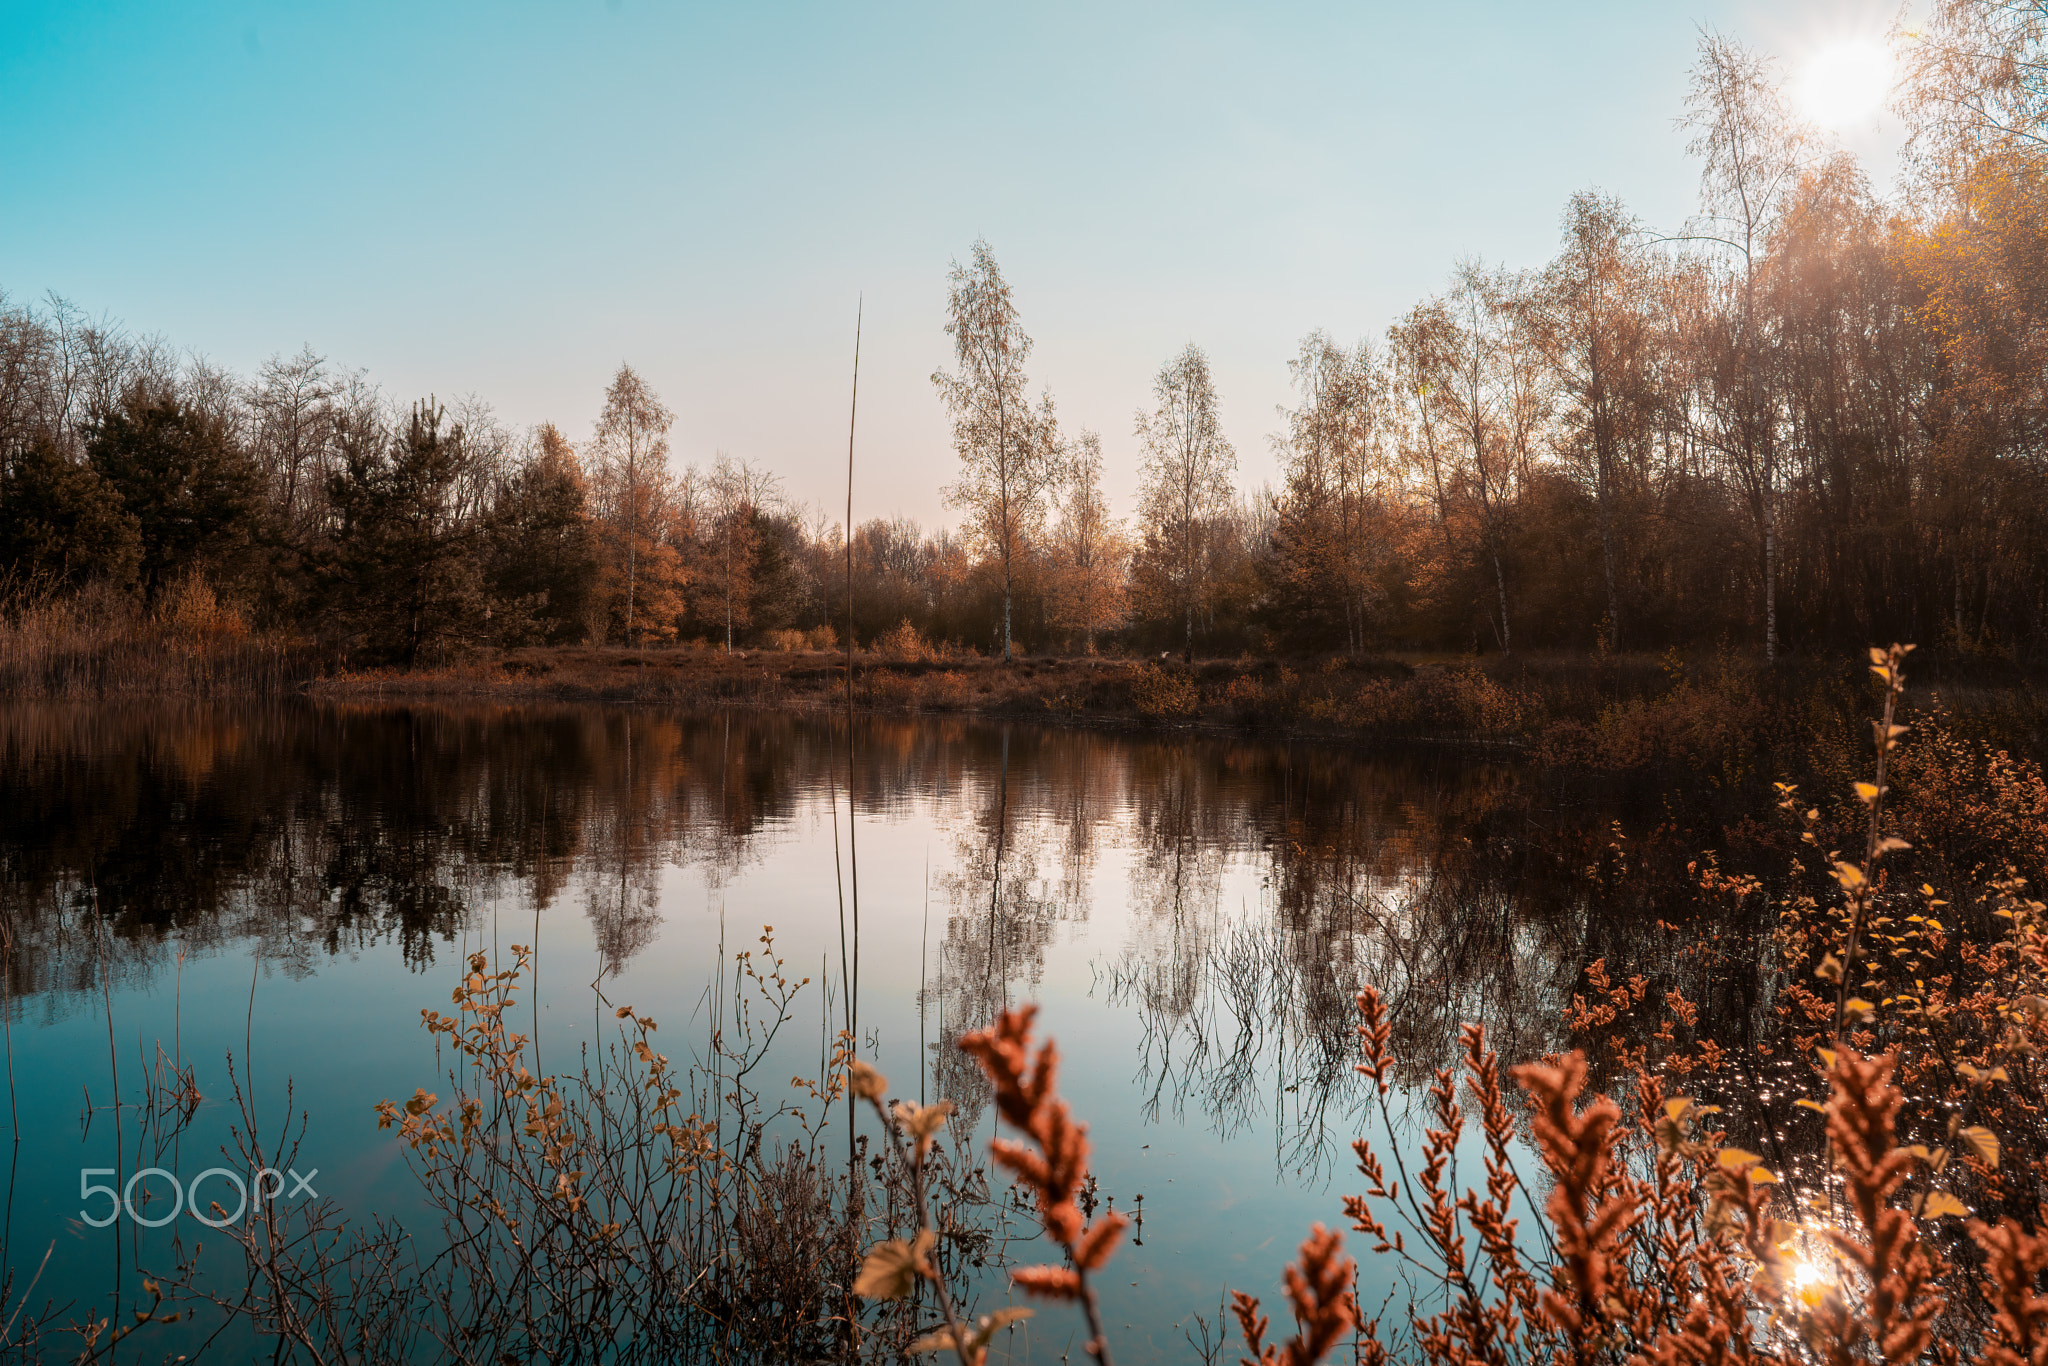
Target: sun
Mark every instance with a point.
(1845, 82)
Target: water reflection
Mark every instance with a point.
(1260, 884)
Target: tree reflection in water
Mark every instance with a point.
(316, 831)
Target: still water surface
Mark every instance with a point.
(291, 884)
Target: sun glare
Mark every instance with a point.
(1845, 82)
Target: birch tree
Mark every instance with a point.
(737, 492)
(1010, 456)
(629, 459)
(1330, 545)
(1595, 337)
(1186, 478)
(1750, 153)
(1472, 372)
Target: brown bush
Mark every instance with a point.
(1160, 695)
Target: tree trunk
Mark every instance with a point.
(1770, 578)
(1607, 562)
(1500, 584)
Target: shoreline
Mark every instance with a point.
(1718, 718)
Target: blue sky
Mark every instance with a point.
(511, 198)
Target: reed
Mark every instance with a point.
(99, 643)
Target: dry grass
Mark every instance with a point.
(102, 643)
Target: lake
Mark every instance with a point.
(281, 888)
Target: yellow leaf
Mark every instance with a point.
(1735, 1159)
(1811, 1105)
(1997, 1074)
(1677, 1106)
(923, 1121)
(1827, 1056)
(1856, 1005)
(1983, 1143)
(1940, 1203)
(892, 1268)
(1867, 791)
(1849, 875)
(866, 1082)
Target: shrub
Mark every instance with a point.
(903, 642)
(1158, 694)
(190, 610)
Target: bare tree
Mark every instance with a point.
(1089, 549)
(26, 351)
(1334, 451)
(1750, 152)
(738, 492)
(292, 404)
(629, 457)
(1186, 474)
(1976, 83)
(1595, 337)
(1472, 371)
(1009, 455)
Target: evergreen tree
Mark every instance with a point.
(192, 491)
(402, 575)
(543, 551)
(61, 524)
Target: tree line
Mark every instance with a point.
(1811, 417)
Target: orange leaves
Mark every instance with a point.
(1055, 1172)
(1902, 1302)
(2013, 1262)
(1048, 1282)
(1588, 1213)
(1374, 1031)
(865, 1081)
(1099, 1242)
(1319, 1292)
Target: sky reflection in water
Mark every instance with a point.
(1194, 914)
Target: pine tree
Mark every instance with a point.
(402, 575)
(61, 524)
(543, 552)
(192, 491)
